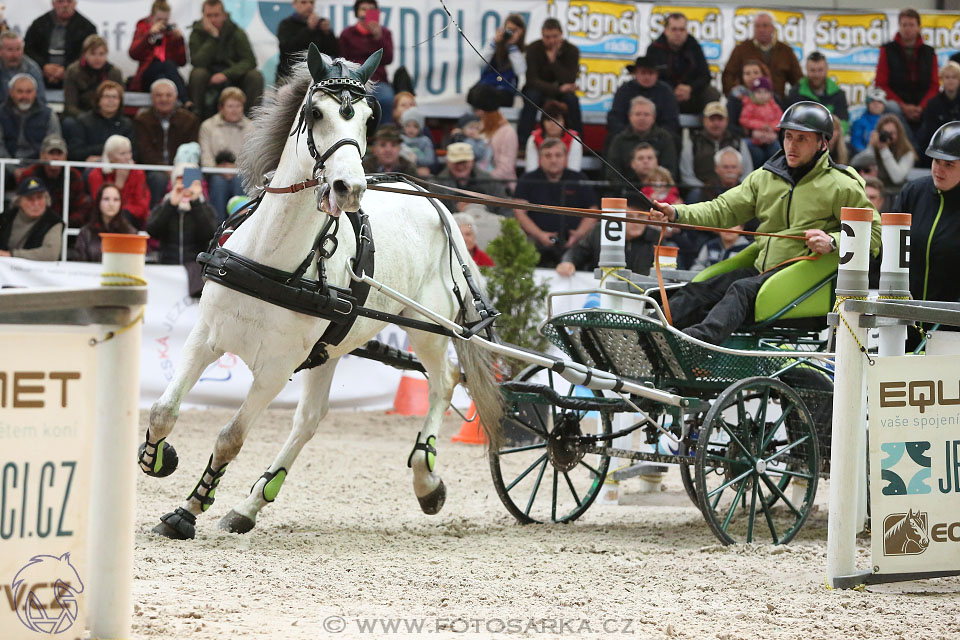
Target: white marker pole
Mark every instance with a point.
(848, 441)
(894, 277)
(613, 244)
(114, 475)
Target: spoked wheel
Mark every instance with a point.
(747, 453)
(542, 473)
(688, 447)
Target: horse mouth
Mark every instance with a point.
(328, 201)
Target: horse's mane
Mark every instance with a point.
(272, 121)
(895, 529)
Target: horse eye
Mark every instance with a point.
(317, 114)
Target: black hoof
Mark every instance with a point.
(179, 525)
(163, 464)
(433, 501)
(236, 523)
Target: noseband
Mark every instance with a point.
(348, 91)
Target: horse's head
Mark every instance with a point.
(337, 113)
(917, 530)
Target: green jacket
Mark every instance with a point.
(229, 53)
(770, 195)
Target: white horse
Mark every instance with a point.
(412, 257)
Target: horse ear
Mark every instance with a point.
(910, 513)
(316, 64)
(367, 68)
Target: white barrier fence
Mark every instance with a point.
(171, 313)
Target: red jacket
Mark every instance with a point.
(480, 257)
(134, 195)
(144, 51)
(357, 46)
(900, 79)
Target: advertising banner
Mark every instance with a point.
(47, 410)
(914, 463)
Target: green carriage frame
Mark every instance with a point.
(751, 432)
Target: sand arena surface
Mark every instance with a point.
(345, 549)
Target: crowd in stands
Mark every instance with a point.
(200, 119)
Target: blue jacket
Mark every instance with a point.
(861, 129)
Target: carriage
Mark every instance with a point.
(748, 423)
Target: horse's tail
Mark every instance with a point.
(479, 366)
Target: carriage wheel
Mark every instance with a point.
(540, 472)
(747, 454)
(688, 447)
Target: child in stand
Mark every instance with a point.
(863, 126)
(468, 130)
(759, 118)
(415, 140)
(661, 187)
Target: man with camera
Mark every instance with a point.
(298, 31)
(159, 48)
(361, 40)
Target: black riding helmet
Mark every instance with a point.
(808, 116)
(945, 143)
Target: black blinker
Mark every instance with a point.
(346, 105)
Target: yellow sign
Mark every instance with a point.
(941, 30)
(598, 80)
(704, 23)
(842, 32)
(789, 25)
(854, 83)
(599, 27)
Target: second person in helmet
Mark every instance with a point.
(798, 192)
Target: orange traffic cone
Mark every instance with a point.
(413, 395)
(471, 432)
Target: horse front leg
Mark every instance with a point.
(267, 383)
(427, 485)
(312, 408)
(157, 457)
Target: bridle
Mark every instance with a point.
(348, 91)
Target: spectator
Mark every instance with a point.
(298, 31)
(360, 41)
(160, 130)
(30, 229)
(837, 146)
(645, 83)
(462, 172)
(498, 134)
(466, 224)
(183, 222)
(86, 135)
(401, 102)
(700, 146)
(54, 149)
(863, 126)
(642, 163)
(876, 193)
(553, 65)
(132, 182)
(468, 129)
(892, 151)
(640, 242)
(759, 118)
(159, 49)
(24, 122)
(779, 57)
(642, 128)
(384, 155)
(554, 110)
(413, 137)
(503, 64)
(725, 244)
(943, 107)
(752, 69)
(907, 69)
(661, 187)
(221, 138)
(554, 185)
(222, 57)
(107, 219)
(728, 164)
(55, 39)
(82, 77)
(14, 62)
(816, 86)
(683, 65)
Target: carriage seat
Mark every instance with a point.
(799, 296)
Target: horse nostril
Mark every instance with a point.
(341, 188)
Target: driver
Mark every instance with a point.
(798, 192)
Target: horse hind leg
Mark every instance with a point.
(180, 524)
(312, 408)
(157, 457)
(432, 352)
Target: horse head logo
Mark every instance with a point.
(47, 576)
(905, 534)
